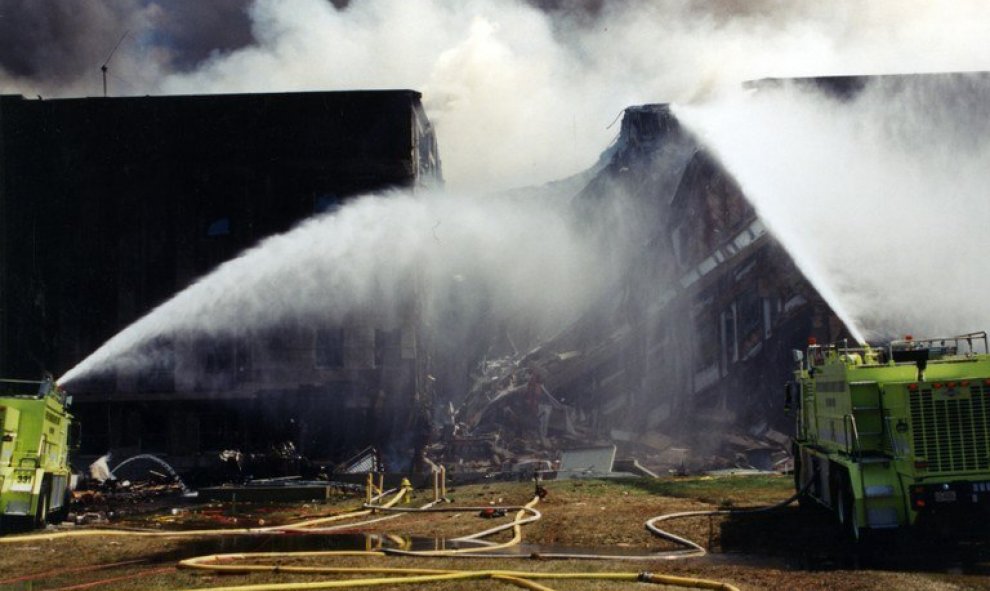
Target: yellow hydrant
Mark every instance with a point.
(406, 486)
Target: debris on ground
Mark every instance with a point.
(510, 425)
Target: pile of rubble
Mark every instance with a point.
(511, 423)
(96, 502)
(649, 455)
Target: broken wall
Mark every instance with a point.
(692, 343)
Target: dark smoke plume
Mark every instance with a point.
(53, 42)
(193, 31)
(56, 48)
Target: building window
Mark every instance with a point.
(219, 227)
(159, 374)
(388, 345)
(750, 322)
(706, 342)
(730, 347)
(330, 347)
(218, 357)
(769, 307)
(326, 203)
(706, 356)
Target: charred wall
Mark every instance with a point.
(112, 205)
(714, 305)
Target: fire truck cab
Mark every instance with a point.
(34, 450)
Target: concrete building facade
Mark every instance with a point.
(109, 206)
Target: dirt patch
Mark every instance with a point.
(788, 549)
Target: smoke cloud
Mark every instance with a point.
(521, 93)
(881, 198)
(55, 49)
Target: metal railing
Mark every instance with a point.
(849, 426)
(946, 344)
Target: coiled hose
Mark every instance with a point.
(693, 549)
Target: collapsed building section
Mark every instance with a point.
(109, 206)
(684, 361)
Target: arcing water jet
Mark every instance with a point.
(526, 256)
(880, 197)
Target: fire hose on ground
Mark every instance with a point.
(417, 575)
(275, 529)
(525, 514)
(697, 550)
(420, 576)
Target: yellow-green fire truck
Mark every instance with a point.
(890, 436)
(34, 450)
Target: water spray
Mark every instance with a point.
(527, 259)
(878, 197)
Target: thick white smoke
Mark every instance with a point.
(520, 95)
(882, 198)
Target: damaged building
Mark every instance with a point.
(109, 206)
(683, 364)
(680, 365)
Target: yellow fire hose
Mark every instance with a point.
(199, 532)
(525, 514)
(515, 525)
(694, 549)
(308, 525)
(411, 575)
(421, 576)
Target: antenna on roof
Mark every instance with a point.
(106, 63)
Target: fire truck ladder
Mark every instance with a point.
(865, 448)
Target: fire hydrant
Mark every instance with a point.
(406, 486)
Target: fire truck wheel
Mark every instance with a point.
(61, 514)
(41, 514)
(804, 501)
(845, 511)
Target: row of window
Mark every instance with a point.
(223, 362)
(735, 333)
